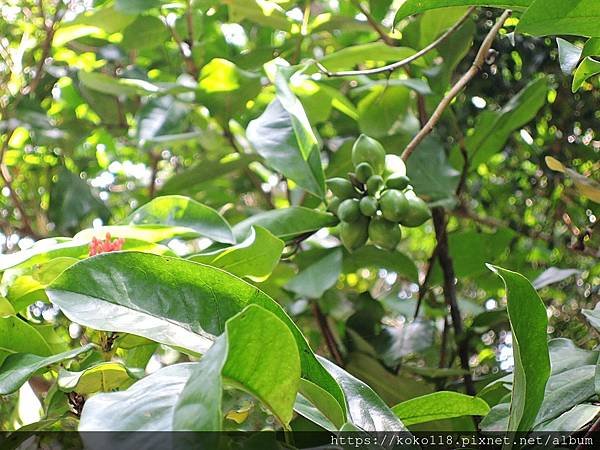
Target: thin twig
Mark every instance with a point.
(374, 24)
(46, 45)
(458, 86)
(393, 66)
(443, 253)
(190, 65)
(155, 159)
(423, 285)
(332, 345)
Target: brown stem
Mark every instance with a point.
(374, 24)
(457, 87)
(332, 345)
(423, 285)
(190, 65)
(443, 253)
(595, 428)
(396, 65)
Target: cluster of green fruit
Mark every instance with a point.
(375, 199)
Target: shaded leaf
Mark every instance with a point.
(315, 279)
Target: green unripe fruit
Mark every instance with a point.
(354, 235)
(364, 171)
(368, 206)
(397, 181)
(418, 212)
(374, 184)
(384, 234)
(341, 187)
(349, 210)
(334, 204)
(393, 205)
(369, 150)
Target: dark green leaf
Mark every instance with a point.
(587, 69)
(546, 17)
(410, 7)
(528, 320)
(313, 281)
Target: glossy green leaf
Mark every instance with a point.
(591, 48)
(439, 405)
(410, 7)
(286, 223)
(168, 300)
(284, 137)
(180, 211)
(314, 280)
(254, 258)
(528, 320)
(19, 367)
(255, 347)
(332, 416)
(18, 336)
(6, 308)
(587, 69)
(546, 17)
(572, 420)
(147, 405)
(103, 377)
(366, 410)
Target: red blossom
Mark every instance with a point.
(98, 246)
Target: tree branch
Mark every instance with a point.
(332, 345)
(457, 87)
(443, 253)
(391, 67)
(186, 54)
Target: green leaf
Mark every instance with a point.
(137, 6)
(145, 32)
(147, 405)
(286, 223)
(146, 233)
(587, 69)
(255, 347)
(572, 420)
(18, 368)
(255, 257)
(366, 409)
(585, 185)
(372, 257)
(72, 200)
(168, 300)
(160, 117)
(314, 280)
(190, 179)
(593, 316)
(493, 128)
(528, 320)
(438, 406)
(180, 211)
(349, 57)
(557, 17)
(6, 309)
(591, 48)
(332, 416)
(410, 7)
(224, 88)
(430, 172)
(106, 84)
(18, 336)
(262, 12)
(568, 55)
(385, 112)
(103, 377)
(283, 136)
